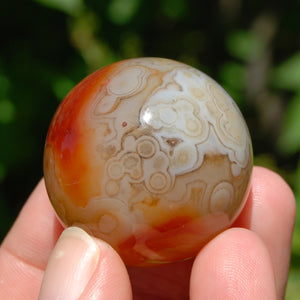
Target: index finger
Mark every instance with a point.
(25, 250)
(270, 212)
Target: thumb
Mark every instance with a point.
(81, 267)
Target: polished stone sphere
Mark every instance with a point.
(150, 155)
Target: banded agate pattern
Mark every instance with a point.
(150, 155)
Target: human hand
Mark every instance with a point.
(248, 261)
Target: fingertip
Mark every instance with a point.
(269, 193)
(111, 279)
(82, 267)
(70, 266)
(270, 212)
(268, 182)
(235, 265)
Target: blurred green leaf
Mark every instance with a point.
(266, 160)
(7, 111)
(233, 79)
(234, 75)
(121, 11)
(287, 75)
(289, 139)
(4, 85)
(244, 45)
(61, 86)
(131, 45)
(174, 9)
(71, 7)
(95, 52)
(293, 287)
(296, 236)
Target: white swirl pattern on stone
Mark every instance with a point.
(168, 135)
(124, 84)
(169, 130)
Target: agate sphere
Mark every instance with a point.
(150, 155)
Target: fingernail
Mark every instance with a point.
(70, 266)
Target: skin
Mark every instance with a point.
(248, 261)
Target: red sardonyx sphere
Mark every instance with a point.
(150, 155)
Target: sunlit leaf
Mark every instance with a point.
(293, 287)
(7, 111)
(287, 75)
(289, 139)
(95, 51)
(233, 80)
(62, 86)
(244, 45)
(296, 237)
(121, 11)
(234, 75)
(71, 7)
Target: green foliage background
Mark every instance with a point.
(252, 48)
